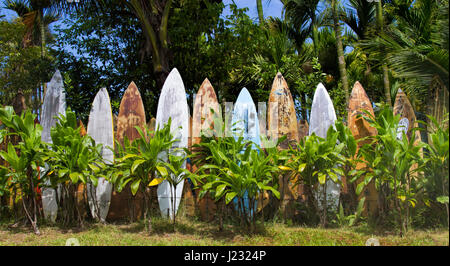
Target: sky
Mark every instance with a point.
(270, 8)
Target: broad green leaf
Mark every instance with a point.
(135, 186)
(220, 189)
(74, 177)
(359, 188)
(301, 167)
(162, 171)
(136, 165)
(442, 199)
(229, 197)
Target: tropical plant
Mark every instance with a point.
(72, 160)
(314, 163)
(394, 161)
(414, 44)
(436, 165)
(236, 170)
(140, 163)
(352, 219)
(23, 159)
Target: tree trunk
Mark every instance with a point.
(260, 11)
(340, 50)
(154, 21)
(386, 85)
(43, 43)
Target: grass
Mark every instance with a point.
(190, 232)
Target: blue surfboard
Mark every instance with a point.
(245, 123)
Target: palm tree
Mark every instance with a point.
(303, 14)
(380, 25)
(305, 18)
(339, 48)
(415, 44)
(359, 17)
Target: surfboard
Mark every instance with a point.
(54, 105)
(245, 118)
(202, 120)
(245, 123)
(172, 103)
(100, 128)
(403, 107)
(408, 121)
(282, 121)
(322, 117)
(360, 128)
(131, 114)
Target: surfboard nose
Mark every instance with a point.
(279, 75)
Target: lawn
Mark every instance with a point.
(196, 233)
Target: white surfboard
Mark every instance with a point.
(54, 104)
(245, 123)
(100, 128)
(322, 117)
(172, 103)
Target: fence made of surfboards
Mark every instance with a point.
(281, 121)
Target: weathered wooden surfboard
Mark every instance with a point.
(100, 128)
(54, 105)
(321, 118)
(131, 114)
(173, 104)
(408, 121)
(360, 128)
(282, 121)
(202, 120)
(403, 107)
(245, 123)
(202, 116)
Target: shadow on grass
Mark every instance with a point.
(192, 226)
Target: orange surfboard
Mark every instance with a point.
(360, 128)
(131, 114)
(282, 121)
(202, 119)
